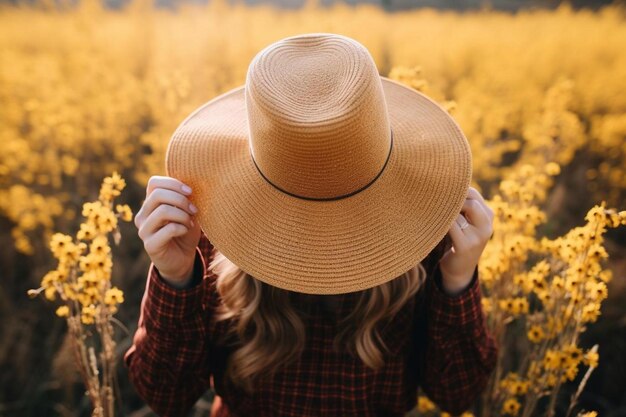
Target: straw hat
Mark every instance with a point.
(319, 175)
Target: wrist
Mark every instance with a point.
(181, 281)
(455, 285)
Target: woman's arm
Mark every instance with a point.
(168, 362)
(460, 354)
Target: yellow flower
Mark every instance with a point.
(590, 414)
(89, 295)
(577, 297)
(70, 291)
(115, 181)
(606, 275)
(519, 387)
(511, 406)
(59, 244)
(91, 208)
(597, 252)
(506, 304)
(105, 220)
(596, 213)
(125, 213)
(590, 312)
(100, 246)
(546, 297)
(535, 334)
(113, 296)
(555, 360)
(514, 384)
(574, 353)
(111, 187)
(63, 311)
(596, 291)
(108, 193)
(87, 231)
(520, 305)
(88, 314)
(552, 168)
(89, 278)
(50, 293)
(515, 306)
(64, 248)
(552, 359)
(424, 404)
(590, 358)
(87, 263)
(572, 282)
(50, 278)
(571, 372)
(558, 283)
(104, 265)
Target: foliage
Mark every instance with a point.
(82, 280)
(555, 286)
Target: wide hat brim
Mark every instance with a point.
(325, 247)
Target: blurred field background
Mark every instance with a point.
(87, 90)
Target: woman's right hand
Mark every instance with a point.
(166, 227)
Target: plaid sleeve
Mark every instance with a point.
(460, 353)
(167, 362)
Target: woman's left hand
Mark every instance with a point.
(458, 264)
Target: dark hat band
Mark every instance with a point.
(329, 198)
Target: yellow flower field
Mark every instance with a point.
(87, 92)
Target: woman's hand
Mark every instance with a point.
(165, 225)
(457, 264)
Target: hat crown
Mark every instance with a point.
(317, 116)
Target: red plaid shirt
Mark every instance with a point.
(439, 343)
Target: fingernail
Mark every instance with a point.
(186, 189)
(193, 208)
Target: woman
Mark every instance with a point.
(314, 247)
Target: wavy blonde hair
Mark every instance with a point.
(270, 329)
